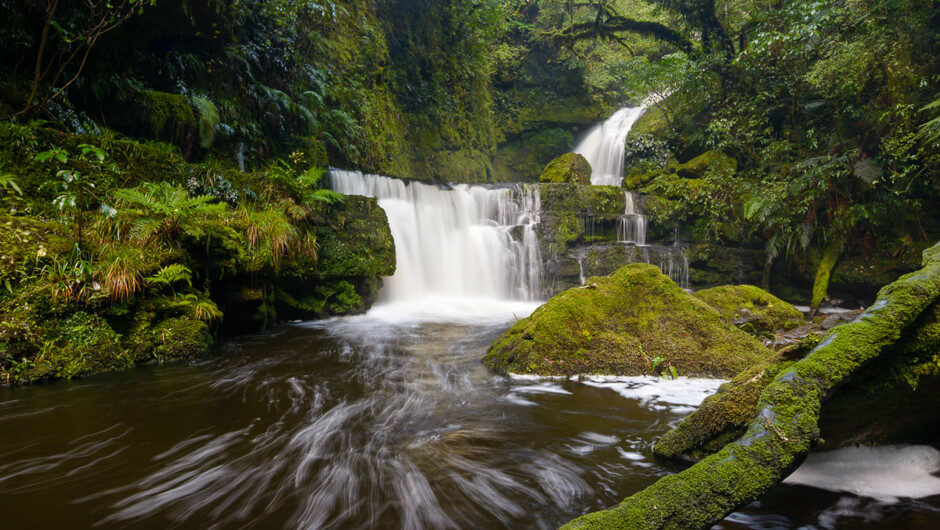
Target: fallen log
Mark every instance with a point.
(785, 427)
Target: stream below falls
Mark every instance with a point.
(385, 420)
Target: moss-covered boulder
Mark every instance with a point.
(569, 167)
(180, 337)
(633, 322)
(751, 308)
(787, 419)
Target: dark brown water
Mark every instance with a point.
(354, 424)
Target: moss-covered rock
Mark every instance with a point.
(711, 265)
(653, 122)
(705, 162)
(635, 321)
(569, 167)
(179, 337)
(524, 157)
(168, 117)
(44, 341)
(355, 241)
(572, 212)
(893, 400)
(724, 416)
(751, 308)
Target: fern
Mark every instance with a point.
(171, 274)
(162, 210)
(9, 182)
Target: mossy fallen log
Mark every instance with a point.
(786, 425)
(724, 416)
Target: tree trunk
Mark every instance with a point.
(821, 284)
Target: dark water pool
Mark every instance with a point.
(357, 424)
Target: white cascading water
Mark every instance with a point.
(632, 227)
(603, 146)
(468, 242)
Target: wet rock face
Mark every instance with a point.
(711, 265)
(633, 322)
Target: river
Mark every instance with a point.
(386, 420)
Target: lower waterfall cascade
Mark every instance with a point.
(462, 242)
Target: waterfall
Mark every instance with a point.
(676, 265)
(465, 242)
(603, 146)
(632, 227)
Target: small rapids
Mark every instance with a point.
(370, 421)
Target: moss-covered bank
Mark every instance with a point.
(635, 321)
(116, 253)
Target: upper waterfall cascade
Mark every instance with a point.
(603, 147)
(462, 242)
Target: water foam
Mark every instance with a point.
(885, 473)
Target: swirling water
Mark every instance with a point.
(356, 422)
(375, 421)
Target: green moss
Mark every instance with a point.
(705, 162)
(580, 199)
(355, 241)
(567, 207)
(620, 337)
(524, 157)
(35, 347)
(895, 398)
(821, 283)
(711, 265)
(749, 305)
(724, 416)
(177, 338)
(569, 167)
(653, 121)
(323, 300)
(169, 117)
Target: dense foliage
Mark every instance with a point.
(828, 109)
(414, 89)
